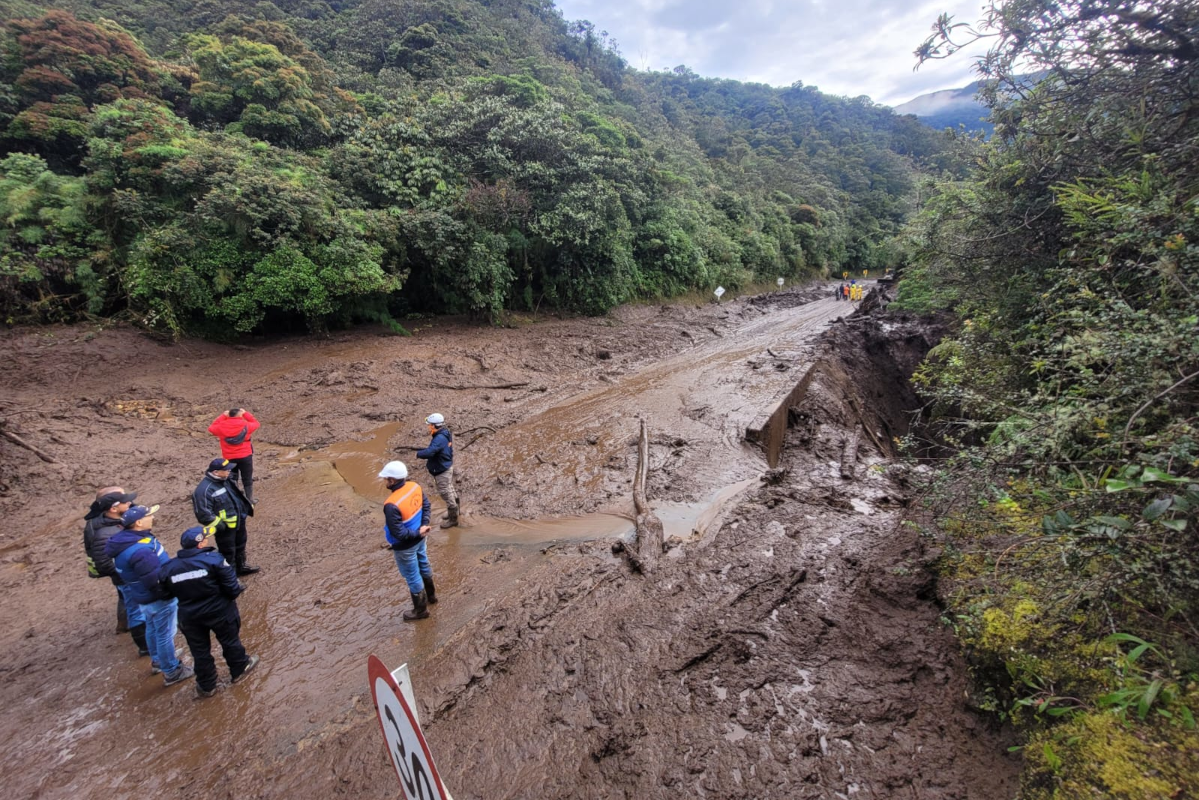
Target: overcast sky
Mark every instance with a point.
(845, 47)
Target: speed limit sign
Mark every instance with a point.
(405, 743)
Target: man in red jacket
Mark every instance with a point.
(234, 430)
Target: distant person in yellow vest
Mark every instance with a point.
(406, 524)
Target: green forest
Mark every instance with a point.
(217, 168)
(1068, 395)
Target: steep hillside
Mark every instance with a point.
(213, 168)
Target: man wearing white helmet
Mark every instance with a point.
(439, 456)
(406, 524)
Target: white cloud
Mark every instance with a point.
(849, 47)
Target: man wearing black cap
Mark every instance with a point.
(222, 509)
(207, 589)
(101, 522)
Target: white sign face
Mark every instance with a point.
(719, 292)
(779, 281)
(405, 742)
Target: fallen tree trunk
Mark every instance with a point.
(849, 455)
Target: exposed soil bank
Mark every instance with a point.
(790, 648)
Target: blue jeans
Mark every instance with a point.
(160, 633)
(133, 612)
(414, 566)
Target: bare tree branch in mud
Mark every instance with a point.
(17, 440)
(520, 385)
(646, 548)
(484, 430)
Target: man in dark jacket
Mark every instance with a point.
(439, 456)
(137, 555)
(207, 589)
(222, 508)
(101, 523)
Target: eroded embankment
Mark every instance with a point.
(795, 652)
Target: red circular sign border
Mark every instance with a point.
(377, 669)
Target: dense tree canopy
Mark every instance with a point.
(214, 166)
(1073, 386)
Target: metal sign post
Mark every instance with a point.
(396, 704)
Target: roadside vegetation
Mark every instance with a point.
(220, 167)
(1070, 391)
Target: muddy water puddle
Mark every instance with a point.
(357, 463)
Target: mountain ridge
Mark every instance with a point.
(949, 108)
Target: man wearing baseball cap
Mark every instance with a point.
(137, 555)
(101, 523)
(207, 589)
(222, 508)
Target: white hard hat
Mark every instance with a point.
(394, 469)
(435, 419)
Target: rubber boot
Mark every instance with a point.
(138, 632)
(242, 567)
(420, 607)
(430, 590)
(451, 518)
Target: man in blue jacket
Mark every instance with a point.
(137, 555)
(207, 588)
(439, 456)
(405, 526)
(222, 508)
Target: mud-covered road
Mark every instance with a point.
(787, 647)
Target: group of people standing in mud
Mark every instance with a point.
(851, 291)
(196, 591)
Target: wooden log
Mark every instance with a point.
(17, 440)
(481, 386)
(639, 478)
(882, 451)
(649, 534)
(849, 455)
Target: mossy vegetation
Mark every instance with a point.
(1069, 394)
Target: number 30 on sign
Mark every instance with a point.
(405, 743)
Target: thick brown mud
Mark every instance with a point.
(789, 645)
